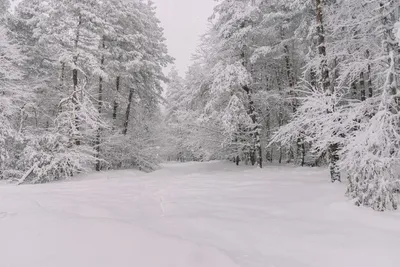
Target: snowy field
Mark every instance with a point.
(192, 215)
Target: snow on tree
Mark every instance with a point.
(82, 61)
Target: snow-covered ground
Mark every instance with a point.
(192, 215)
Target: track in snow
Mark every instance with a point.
(194, 215)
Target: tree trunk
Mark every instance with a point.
(115, 108)
(76, 105)
(292, 94)
(326, 85)
(325, 81)
(128, 112)
(256, 155)
(370, 90)
(75, 100)
(100, 110)
(369, 78)
(62, 76)
(362, 86)
(268, 137)
(61, 85)
(301, 151)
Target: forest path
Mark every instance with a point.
(194, 215)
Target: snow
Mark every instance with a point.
(191, 215)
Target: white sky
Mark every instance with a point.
(184, 21)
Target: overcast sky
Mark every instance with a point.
(183, 21)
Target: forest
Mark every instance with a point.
(313, 83)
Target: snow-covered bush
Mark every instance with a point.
(53, 156)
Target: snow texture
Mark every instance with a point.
(192, 215)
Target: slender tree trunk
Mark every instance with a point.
(75, 100)
(289, 72)
(369, 78)
(257, 154)
(280, 124)
(301, 151)
(370, 90)
(354, 90)
(313, 78)
(268, 126)
(280, 116)
(100, 109)
(62, 76)
(61, 85)
(292, 94)
(115, 108)
(325, 80)
(326, 85)
(290, 76)
(128, 112)
(362, 86)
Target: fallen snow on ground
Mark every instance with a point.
(194, 215)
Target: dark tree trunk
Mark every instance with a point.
(292, 94)
(362, 86)
(313, 78)
(301, 151)
(115, 108)
(128, 112)
(100, 110)
(256, 153)
(280, 123)
(370, 90)
(256, 150)
(354, 90)
(59, 108)
(326, 85)
(62, 76)
(75, 100)
(325, 80)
